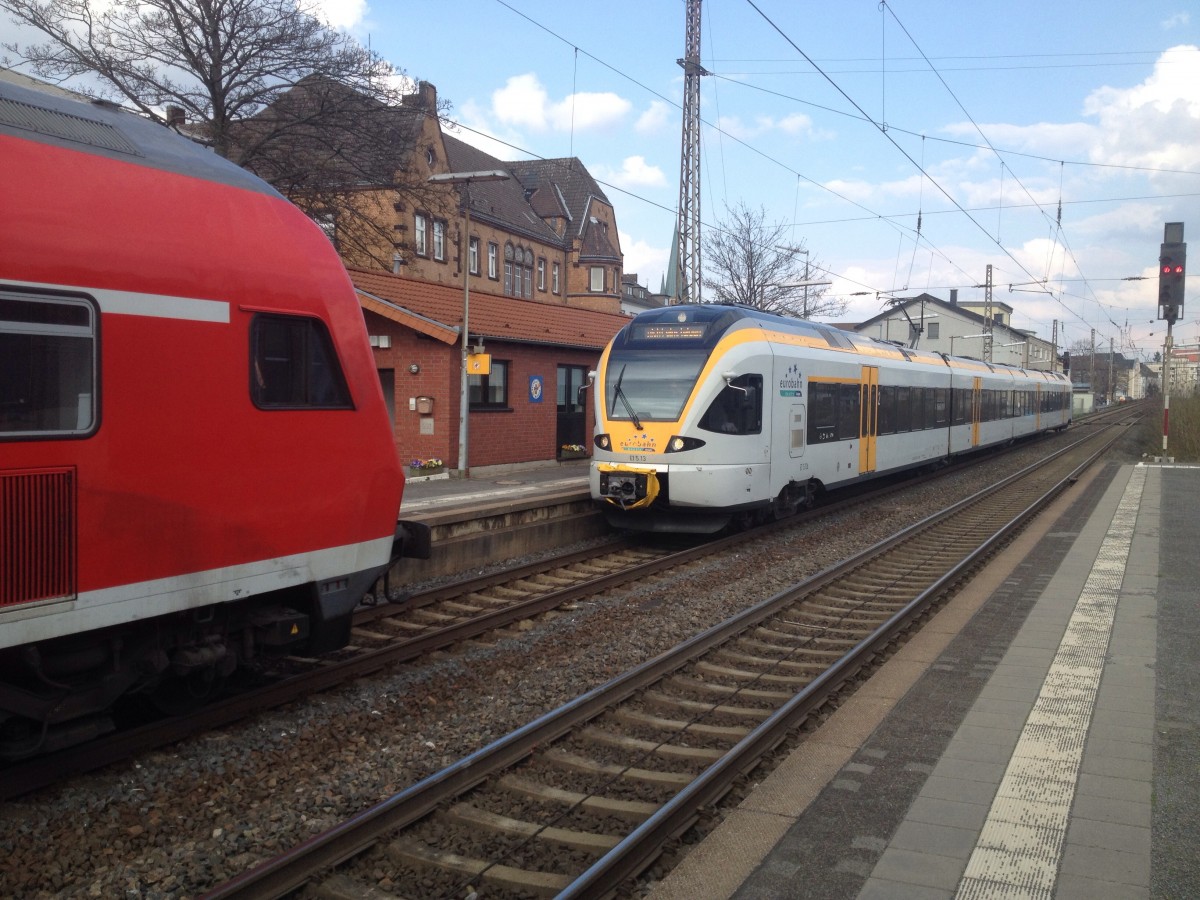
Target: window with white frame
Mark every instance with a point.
(439, 239)
(541, 274)
(596, 279)
(934, 330)
(554, 272)
(419, 236)
(473, 256)
(493, 260)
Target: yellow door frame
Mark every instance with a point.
(868, 422)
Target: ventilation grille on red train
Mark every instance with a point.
(37, 535)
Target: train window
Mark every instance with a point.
(941, 407)
(849, 411)
(920, 415)
(650, 385)
(822, 413)
(903, 416)
(294, 365)
(833, 412)
(887, 410)
(960, 406)
(47, 366)
(737, 409)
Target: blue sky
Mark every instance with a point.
(995, 114)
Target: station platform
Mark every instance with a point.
(1038, 739)
(494, 484)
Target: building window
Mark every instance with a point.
(528, 274)
(48, 368)
(934, 330)
(493, 254)
(419, 245)
(554, 270)
(294, 366)
(508, 271)
(541, 275)
(596, 279)
(439, 239)
(489, 391)
(473, 263)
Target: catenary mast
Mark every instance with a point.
(687, 268)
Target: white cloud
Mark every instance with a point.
(635, 172)
(1179, 20)
(524, 102)
(584, 112)
(654, 118)
(344, 14)
(648, 262)
(521, 102)
(1155, 123)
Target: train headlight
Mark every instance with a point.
(602, 441)
(678, 444)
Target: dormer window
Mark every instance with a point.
(430, 156)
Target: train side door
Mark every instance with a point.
(1037, 407)
(976, 409)
(868, 430)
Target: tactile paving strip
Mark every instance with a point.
(1019, 848)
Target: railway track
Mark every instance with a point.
(583, 799)
(386, 634)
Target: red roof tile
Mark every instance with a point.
(435, 308)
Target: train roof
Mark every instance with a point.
(704, 324)
(104, 129)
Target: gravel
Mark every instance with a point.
(180, 821)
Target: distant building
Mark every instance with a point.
(930, 323)
(542, 264)
(636, 298)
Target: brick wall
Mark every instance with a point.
(524, 431)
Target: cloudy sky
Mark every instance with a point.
(907, 145)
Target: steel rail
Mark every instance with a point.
(639, 848)
(290, 870)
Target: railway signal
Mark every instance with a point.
(1172, 263)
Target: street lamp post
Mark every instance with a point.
(464, 401)
(963, 337)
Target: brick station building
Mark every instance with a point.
(525, 411)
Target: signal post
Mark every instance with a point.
(1172, 265)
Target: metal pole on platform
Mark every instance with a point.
(464, 400)
(1166, 368)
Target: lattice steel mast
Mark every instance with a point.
(687, 275)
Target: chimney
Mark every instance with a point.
(424, 98)
(954, 296)
(175, 116)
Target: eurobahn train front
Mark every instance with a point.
(679, 442)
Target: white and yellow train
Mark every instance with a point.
(710, 414)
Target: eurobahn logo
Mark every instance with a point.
(639, 443)
(792, 382)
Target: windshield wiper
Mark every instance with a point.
(620, 394)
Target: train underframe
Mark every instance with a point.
(61, 692)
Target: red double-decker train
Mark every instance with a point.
(196, 464)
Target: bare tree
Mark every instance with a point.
(750, 262)
(266, 83)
